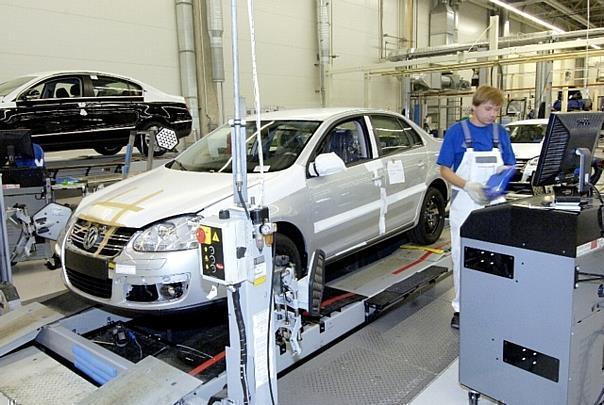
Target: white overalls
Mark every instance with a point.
(476, 167)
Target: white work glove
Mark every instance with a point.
(476, 192)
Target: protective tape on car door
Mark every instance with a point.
(383, 210)
(375, 167)
(347, 216)
(393, 198)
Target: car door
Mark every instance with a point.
(50, 111)
(113, 106)
(346, 205)
(404, 159)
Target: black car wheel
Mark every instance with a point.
(143, 142)
(431, 219)
(108, 150)
(285, 246)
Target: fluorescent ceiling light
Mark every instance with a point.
(526, 15)
(532, 18)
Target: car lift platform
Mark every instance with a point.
(109, 351)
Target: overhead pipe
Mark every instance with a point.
(504, 42)
(186, 53)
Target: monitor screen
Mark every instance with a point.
(15, 144)
(566, 133)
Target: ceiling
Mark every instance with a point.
(569, 15)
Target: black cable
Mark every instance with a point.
(601, 210)
(242, 343)
(596, 275)
(247, 214)
(271, 308)
(599, 400)
(585, 280)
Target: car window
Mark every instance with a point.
(416, 140)
(9, 86)
(282, 143)
(394, 135)
(105, 86)
(63, 87)
(348, 140)
(530, 133)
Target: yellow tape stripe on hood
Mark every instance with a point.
(123, 208)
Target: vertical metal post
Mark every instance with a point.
(128, 157)
(237, 124)
(151, 148)
(5, 267)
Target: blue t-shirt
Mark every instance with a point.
(37, 161)
(453, 147)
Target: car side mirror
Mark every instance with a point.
(326, 164)
(33, 94)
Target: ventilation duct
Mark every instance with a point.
(442, 24)
(438, 81)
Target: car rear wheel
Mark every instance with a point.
(431, 218)
(108, 150)
(143, 142)
(285, 246)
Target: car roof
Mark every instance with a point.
(75, 72)
(316, 114)
(40, 76)
(537, 121)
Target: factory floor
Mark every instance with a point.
(408, 356)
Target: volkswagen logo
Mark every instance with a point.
(91, 237)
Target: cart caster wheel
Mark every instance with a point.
(473, 397)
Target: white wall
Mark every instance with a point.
(286, 49)
(138, 38)
(135, 37)
(356, 43)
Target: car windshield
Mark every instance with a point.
(528, 133)
(11, 85)
(282, 143)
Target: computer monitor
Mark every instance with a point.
(15, 143)
(568, 144)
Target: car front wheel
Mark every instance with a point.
(285, 246)
(108, 150)
(431, 218)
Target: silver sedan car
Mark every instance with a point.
(336, 179)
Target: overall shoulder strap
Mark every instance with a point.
(496, 142)
(466, 133)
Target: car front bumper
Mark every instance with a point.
(136, 281)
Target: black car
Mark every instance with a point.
(85, 109)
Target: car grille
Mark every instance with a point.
(90, 285)
(88, 273)
(99, 239)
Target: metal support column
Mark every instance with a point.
(5, 267)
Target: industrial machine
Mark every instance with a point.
(531, 324)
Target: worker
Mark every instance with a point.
(576, 102)
(472, 151)
(37, 161)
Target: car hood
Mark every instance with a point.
(4, 103)
(159, 194)
(526, 150)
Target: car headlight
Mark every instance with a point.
(169, 235)
(533, 161)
